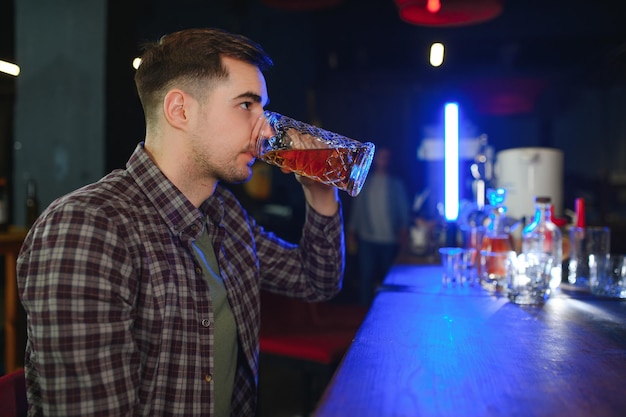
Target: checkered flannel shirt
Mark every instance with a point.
(119, 313)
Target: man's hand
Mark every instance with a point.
(321, 197)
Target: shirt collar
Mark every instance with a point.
(180, 215)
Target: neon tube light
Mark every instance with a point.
(451, 161)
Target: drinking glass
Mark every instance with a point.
(313, 152)
(530, 282)
(612, 282)
(451, 262)
(469, 272)
(589, 251)
(496, 269)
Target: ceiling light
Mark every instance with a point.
(448, 12)
(433, 6)
(9, 68)
(436, 54)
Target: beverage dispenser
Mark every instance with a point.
(529, 172)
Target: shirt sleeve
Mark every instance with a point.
(73, 272)
(313, 269)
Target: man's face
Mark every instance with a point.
(222, 138)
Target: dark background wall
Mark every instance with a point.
(356, 68)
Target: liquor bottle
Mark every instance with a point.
(577, 237)
(497, 239)
(543, 236)
(580, 212)
(564, 227)
(32, 203)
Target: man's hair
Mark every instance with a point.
(188, 57)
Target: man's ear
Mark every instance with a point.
(174, 108)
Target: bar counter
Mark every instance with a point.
(428, 350)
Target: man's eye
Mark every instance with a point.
(246, 105)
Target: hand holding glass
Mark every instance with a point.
(315, 153)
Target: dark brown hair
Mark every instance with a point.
(189, 56)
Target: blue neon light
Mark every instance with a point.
(451, 161)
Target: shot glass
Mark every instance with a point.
(469, 271)
(451, 262)
(530, 282)
(472, 243)
(612, 282)
(313, 152)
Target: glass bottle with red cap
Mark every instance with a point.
(497, 247)
(577, 236)
(543, 236)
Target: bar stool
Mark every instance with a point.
(13, 394)
(308, 337)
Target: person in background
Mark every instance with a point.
(142, 289)
(378, 224)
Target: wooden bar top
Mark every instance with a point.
(425, 350)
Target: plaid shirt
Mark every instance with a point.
(119, 313)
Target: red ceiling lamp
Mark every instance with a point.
(443, 13)
(302, 5)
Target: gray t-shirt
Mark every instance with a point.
(224, 328)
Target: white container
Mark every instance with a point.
(529, 172)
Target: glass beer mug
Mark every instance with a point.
(313, 152)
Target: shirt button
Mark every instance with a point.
(208, 378)
(198, 270)
(206, 323)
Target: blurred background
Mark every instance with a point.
(526, 73)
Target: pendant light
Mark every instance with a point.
(443, 13)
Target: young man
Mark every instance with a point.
(142, 290)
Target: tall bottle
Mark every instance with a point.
(497, 237)
(543, 236)
(580, 213)
(577, 237)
